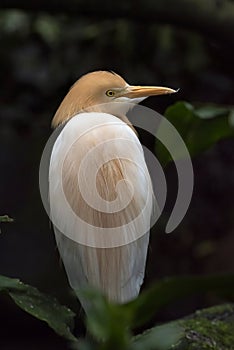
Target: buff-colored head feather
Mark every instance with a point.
(88, 91)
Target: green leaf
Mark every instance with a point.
(231, 118)
(160, 337)
(106, 322)
(200, 128)
(83, 344)
(7, 284)
(211, 111)
(39, 305)
(169, 290)
(6, 218)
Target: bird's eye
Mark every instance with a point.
(110, 93)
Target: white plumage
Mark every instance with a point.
(118, 271)
(102, 226)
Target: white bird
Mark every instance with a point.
(99, 185)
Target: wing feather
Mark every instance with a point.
(117, 271)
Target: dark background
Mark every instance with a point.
(44, 48)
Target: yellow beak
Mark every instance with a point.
(145, 91)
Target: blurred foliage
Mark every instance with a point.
(200, 128)
(169, 290)
(5, 218)
(110, 325)
(42, 55)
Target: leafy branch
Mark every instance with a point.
(111, 324)
(6, 218)
(42, 306)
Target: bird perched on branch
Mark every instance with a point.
(100, 192)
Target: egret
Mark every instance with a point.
(93, 117)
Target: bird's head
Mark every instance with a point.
(99, 88)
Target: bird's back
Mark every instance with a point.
(112, 260)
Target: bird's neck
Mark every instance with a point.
(67, 111)
(125, 119)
